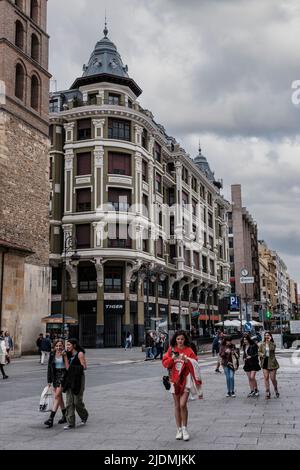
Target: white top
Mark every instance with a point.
(267, 350)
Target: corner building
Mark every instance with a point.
(149, 222)
(24, 181)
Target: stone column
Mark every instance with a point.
(69, 129)
(138, 134)
(151, 208)
(69, 162)
(98, 175)
(98, 128)
(85, 97)
(138, 189)
(100, 98)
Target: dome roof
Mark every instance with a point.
(203, 165)
(105, 59)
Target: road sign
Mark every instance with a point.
(247, 326)
(247, 280)
(244, 272)
(234, 302)
(295, 326)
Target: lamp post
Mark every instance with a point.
(69, 246)
(151, 274)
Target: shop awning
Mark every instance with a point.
(207, 317)
(58, 318)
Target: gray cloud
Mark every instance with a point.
(219, 70)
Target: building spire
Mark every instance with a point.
(200, 150)
(105, 31)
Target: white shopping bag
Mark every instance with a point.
(46, 401)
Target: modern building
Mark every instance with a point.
(24, 183)
(148, 222)
(243, 254)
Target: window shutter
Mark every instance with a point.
(84, 164)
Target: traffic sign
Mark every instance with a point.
(247, 326)
(247, 280)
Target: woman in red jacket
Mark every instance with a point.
(176, 361)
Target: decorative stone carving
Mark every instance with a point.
(72, 270)
(130, 270)
(69, 159)
(99, 266)
(99, 156)
(99, 128)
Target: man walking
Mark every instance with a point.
(39, 344)
(45, 347)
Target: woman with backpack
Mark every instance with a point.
(251, 364)
(269, 363)
(230, 362)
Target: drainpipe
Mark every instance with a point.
(1, 286)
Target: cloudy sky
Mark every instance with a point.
(216, 70)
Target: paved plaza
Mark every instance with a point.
(130, 409)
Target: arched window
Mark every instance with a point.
(19, 82)
(34, 93)
(19, 3)
(19, 41)
(35, 46)
(34, 10)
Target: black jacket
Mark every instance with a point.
(46, 345)
(51, 368)
(73, 379)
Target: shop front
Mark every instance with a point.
(113, 313)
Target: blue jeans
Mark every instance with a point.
(149, 354)
(229, 373)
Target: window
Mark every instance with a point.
(185, 293)
(175, 291)
(172, 225)
(185, 198)
(212, 267)
(84, 127)
(194, 184)
(119, 129)
(173, 254)
(210, 220)
(204, 264)
(145, 171)
(118, 236)
(162, 288)
(84, 164)
(34, 92)
(159, 248)
(120, 199)
(83, 200)
(34, 10)
(83, 236)
(114, 99)
(157, 152)
(211, 242)
(56, 281)
(113, 281)
(145, 139)
(50, 168)
(230, 241)
(209, 198)
(158, 185)
(145, 203)
(53, 106)
(185, 175)
(196, 260)
(92, 98)
(152, 288)
(202, 191)
(229, 215)
(187, 257)
(87, 279)
(194, 207)
(119, 164)
(35, 47)
(51, 134)
(19, 39)
(19, 82)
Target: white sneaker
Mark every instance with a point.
(179, 434)
(185, 434)
(68, 426)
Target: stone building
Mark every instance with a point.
(148, 222)
(268, 281)
(243, 253)
(24, 183)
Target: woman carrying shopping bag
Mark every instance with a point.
(57, 368)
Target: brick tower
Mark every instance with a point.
(24, 179)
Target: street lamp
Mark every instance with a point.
(69, 246)
(151, 274)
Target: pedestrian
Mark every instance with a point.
(9, 345)
(269, 363)
(39, 344)
(182, 363)
(229, 358)
(251, 363)
(148, 347)
(57, 368)
(128, 341)
(75, 383)
(46, 347)
(160, 346)
(220, 339)
(2, 355)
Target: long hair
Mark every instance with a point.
(225, 339)
(76, 345)
(180, 333)
(56, 341)
(268, 333)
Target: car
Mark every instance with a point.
(289, 338)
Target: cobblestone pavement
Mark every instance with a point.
(130, 409)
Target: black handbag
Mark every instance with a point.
(166, 382)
